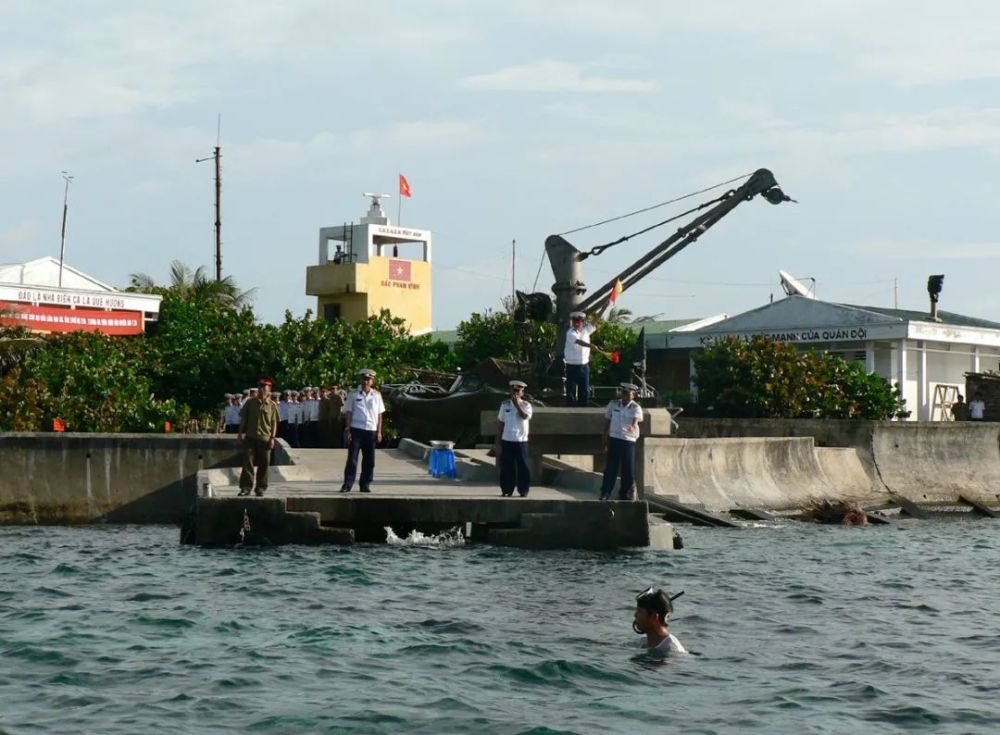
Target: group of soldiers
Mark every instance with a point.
(310, 418)
(622, 418)
(354, 418)
(327, 417)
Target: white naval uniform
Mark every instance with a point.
(573, 353)
(622, 417)
(365, 408)
(515, 427)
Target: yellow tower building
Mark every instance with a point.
(374, 265)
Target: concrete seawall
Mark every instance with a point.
(938, 462)
(754, 472)
(924, 462)
(118, 478)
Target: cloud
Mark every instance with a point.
(554, 76)
(910, 44)
(13, 242)
(910, 249)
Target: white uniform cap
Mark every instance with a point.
(577, 315)
(518, 384)
(630, 386)
(366, 373)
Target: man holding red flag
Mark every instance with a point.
(576, 355)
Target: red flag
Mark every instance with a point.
(616, 291)
(399, 270)
(404, 187)
(616, 357)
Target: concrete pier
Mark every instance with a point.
(303, 505)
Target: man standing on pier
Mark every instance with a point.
(621, 431)
(576, 355)
(258, 428)
(363, 417)
(512, 442)
(977, 408)
(231, 414)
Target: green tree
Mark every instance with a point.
(761, 378)
(194, 285)
(95, 383)
(496, 334)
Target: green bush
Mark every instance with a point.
(761, 378)
(200, 349)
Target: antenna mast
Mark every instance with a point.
(217, 155)
(67, 177)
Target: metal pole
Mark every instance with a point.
(513, 260)
(62, 240)
(218, 213)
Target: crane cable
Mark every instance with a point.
(600, 248)
(655, 206)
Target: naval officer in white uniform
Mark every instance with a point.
(576, 355)
(512, 441)
(621, 432)
(363, 416)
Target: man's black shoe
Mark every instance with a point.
(345, 489)
(259, 492)
(366, 489)
(243, 492)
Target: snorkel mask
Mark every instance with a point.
(656, 601)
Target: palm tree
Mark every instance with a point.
(195, 285)
(618, 315)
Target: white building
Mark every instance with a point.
(31, 296)
(927, 358)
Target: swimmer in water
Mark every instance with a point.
(652, 613)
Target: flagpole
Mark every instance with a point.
(399, 211)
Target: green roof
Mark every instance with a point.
(945, 317)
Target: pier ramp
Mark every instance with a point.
(303, 505)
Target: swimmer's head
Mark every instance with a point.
(652, 610)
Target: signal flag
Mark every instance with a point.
(616, 291)
(404, 187)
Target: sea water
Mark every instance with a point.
(793, 629)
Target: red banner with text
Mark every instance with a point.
(61, 319)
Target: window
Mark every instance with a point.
(331, 312)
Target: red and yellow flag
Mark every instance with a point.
(616, 291)
(404, 187)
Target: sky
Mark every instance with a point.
(512, 121)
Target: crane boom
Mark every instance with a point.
(566, 259)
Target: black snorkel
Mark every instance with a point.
(658, 601)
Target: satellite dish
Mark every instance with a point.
(793, 286)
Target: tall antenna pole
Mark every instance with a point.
(218, 213)
(67, 177)
(513, 261)
(217, 156)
